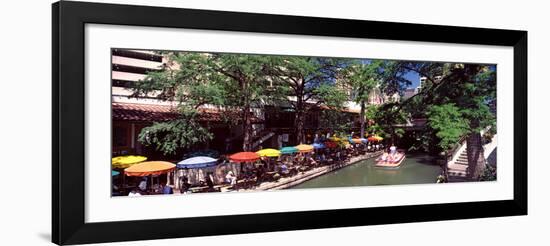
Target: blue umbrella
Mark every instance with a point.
(364, 140)
(197, 162)
(318, 146)
(288, 150)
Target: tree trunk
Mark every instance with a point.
(299, 124)
(247, 129)
(247, 124)
(476, 159)
(362, 118)
(299, 118)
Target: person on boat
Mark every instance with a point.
(384, 157)
(391, 158)
(393, 150)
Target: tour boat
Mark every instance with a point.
(395, 163)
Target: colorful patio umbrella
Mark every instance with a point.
(288, 150)
(126, 161)
(364, 140)
(244, 157)
(318, 146)
(268, 153)
(375, 138)
(335, 139)
(331, 144)
(357, 140)
(304, 148)
(197, 162)
(114, 173)
(149, 168)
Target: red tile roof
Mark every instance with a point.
(153, 112)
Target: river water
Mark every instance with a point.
(415, 169)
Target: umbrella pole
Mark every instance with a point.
(123, 186)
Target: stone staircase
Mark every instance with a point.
(458, 170)
(261, 138)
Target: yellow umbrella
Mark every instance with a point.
(304, 148)
(335, 139)
(126, 161)
(269, 152)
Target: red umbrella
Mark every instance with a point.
(330, 144)
(244, 157)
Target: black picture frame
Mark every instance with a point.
(68, 24)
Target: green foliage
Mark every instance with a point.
(363, 78)
(449, 124)
(170, 136)
(192, 79)
(489, 174)
(302, 80)
(329, 96)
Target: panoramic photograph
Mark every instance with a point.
(202, 122)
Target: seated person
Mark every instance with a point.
(230, 178)
(134, 192)
(384, 156)
(185, 185)
(284, 169)
(167, 190)
(143, 184)
(312, 161)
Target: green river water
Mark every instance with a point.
(415, 169)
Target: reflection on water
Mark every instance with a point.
(415, 169)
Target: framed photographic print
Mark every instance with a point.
(175, 122)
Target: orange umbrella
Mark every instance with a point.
(375, 138)
(356, 140)
(244, 157)
(149, 168)
(302, 148)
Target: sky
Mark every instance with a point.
(414, 77)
